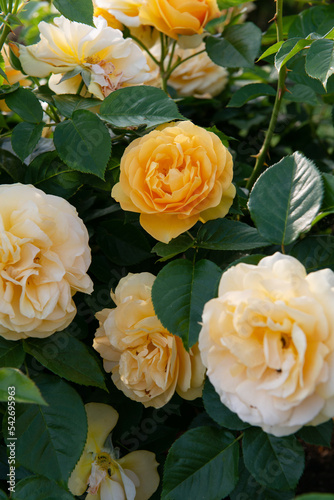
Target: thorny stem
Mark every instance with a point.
(261, 156)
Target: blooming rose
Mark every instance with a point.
(146, 361)
(198, 76)
(178, 17)
(44, 256)
(71, 49)
(268, 344)
(108, 477)
(175, 176)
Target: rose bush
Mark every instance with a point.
(44, 260)
(174, 177)
(268, 344)
(146, 112)
(146, 361)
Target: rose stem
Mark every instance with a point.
(261, 156)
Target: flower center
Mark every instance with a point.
(102, 467)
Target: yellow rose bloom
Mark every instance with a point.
(175, 176)
(178, 17)
(132, 477)
(68, 47)
(146, 361)
(44, 257)
(268, 344)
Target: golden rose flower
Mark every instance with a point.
(68, 49)
(44, 256)
(175, 176)
(146, 361)
(133, 477)
(268, 344)
(178, 17)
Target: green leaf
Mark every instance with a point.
(49, 173)
(178, 245)
(67, 357)
(271, 50)
(328, 180)
(3, 495)
(321, 435)
(248, 489)
(123, 244)
(40, 488)
(316, 19)
(301, 93)
(289, 48)
(248, 92)
(225, 234)
(179, 294)
(50, 439)
(25, 137)
(238, 47)
(68, 103)
(275, 462)
(315, 252)
(84, 143)
(294, 188)
(80, 11)
(134, 106)
(203, 463)
(218, 411)
(319, 61)
(25, 104)
(25, 389)
(11, 165)
(11, 353)
(8, 89)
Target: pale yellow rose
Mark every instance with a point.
(178, 17)
(146, 361)
(198, 76)
(175, 176)
(44, 257)
(132, 477)
(268, 344)
(110, 61)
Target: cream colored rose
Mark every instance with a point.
(44, 257)
(67, 47)
(268, 344)
(108, 477)
(146, 361)
(175, 176)
(175, 17)
(198, 76)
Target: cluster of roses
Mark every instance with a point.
(100, 60)
(267, 341)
